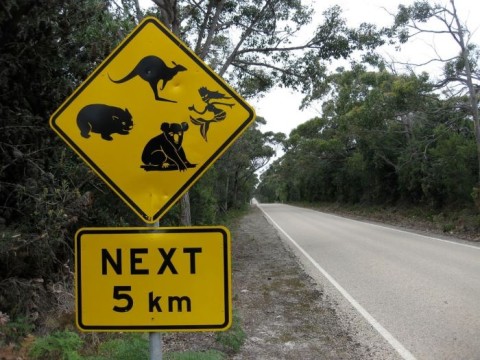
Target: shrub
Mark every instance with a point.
(131, 347)
(234, 338)
(13, 331)
(61, 345)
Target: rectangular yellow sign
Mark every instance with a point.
(153, 279)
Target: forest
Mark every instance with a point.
(384, 137)
(387, 137)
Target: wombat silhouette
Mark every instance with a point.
(164, 152)
(152, 69)
(105, 120)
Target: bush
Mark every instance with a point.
(62, 345)
(234, 338)
(131, 347)
(13, 331)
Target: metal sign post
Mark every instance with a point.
(155, 339)
(156, 346)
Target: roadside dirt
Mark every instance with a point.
(283, 312)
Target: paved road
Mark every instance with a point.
(421, 294)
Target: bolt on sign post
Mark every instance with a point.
(151, 119)
(154, 279)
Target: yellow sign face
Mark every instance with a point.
(151, 119)
(153, 279)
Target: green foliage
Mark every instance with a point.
(383, 139)
(13, 331)
(204, 199)
(67, 345)
(129, 347)
(190, 355)
(451, 172)
(266, 35)
(460, 76)
(58, 346)
(46, 50)
(233, 338)
(235, 171)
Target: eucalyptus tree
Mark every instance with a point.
(255, 44)
(461, 75)
(237, 169)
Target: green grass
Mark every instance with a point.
(233, 338)
(196, 355)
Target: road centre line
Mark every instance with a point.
(401, 350)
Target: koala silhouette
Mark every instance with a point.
(165, 152)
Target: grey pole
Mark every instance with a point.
(156, 345)
(156, 341)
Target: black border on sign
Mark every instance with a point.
(201, 169)
(106, 231)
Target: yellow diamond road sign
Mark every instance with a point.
(153, 279)
(151, 119)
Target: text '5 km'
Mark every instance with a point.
(137, 279)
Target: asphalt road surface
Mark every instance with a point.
(421, 294)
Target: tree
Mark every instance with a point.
(461, 76)
(253, 45)
(237, 168)
(262, 54)
(46, 50)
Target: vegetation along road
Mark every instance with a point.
(419, 293)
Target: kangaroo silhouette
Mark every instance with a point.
(152, 69)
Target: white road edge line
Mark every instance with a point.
(401, 350)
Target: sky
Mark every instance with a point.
(286, 117)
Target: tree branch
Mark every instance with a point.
(238, 63)
(244, 36)
(212, 29)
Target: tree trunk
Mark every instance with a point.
(185, 214)
(168, 16)
(226, 194)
